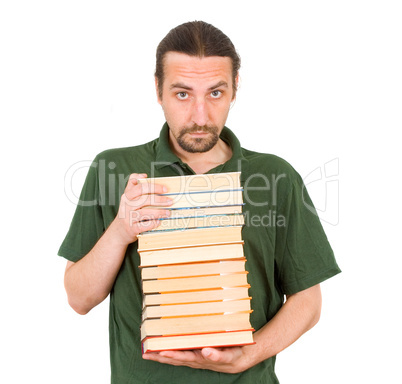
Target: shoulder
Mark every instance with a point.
(126, 160)
(269, 165)
(128, 153)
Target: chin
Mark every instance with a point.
(197, 145)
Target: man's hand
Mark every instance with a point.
(227, 360)
(135, 212)
(300, 312)
(89, 281)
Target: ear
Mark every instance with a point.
(157, 91)
(237, 86)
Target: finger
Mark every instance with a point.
(134, 190)
(174, 358)
(183, 356)
(153, 213)
(161, 359)
(193, 359)
(143, 226)
(149, 201)
(224, 356)
(210, 354)
(148, 214)
(135, 176)
(153, 188)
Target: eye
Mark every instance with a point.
(182, 95)
(216, 94)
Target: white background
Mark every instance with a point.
(320, 81)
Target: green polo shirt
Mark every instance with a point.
(284, 243)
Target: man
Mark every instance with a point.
(287, 252)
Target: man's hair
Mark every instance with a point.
(196, 38)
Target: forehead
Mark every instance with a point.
(193, 69)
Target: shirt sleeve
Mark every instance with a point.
(303, 254)
(87, 225)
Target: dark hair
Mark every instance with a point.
(196, 38)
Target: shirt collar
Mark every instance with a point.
(165, 157)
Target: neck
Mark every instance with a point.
(205, 161)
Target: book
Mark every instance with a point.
(197, 183)
(198, 236)
(203, 199)
(194, 279)
(192, 254)
(199, 222)
(193, 269)
(230, 293)
(195, 283)
(196, 341)
(196, 324)
(205, 308)
(205, 211)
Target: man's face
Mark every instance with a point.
(196, 98)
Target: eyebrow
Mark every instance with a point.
(180, 85)
(220, 84)
(188, 88)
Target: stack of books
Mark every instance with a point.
(193, 267)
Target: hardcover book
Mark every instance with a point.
(193, 268)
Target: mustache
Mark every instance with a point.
(198, 128)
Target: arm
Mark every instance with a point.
(300, 313)
(89, 281)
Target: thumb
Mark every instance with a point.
(210, 354)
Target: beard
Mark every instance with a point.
(198, 144)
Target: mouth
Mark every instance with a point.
(198, 139)
(198, 133)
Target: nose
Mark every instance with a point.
(200, 112)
